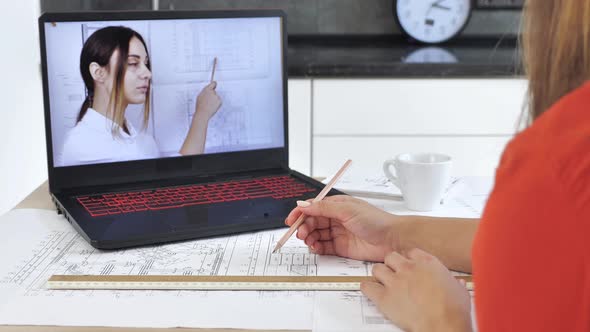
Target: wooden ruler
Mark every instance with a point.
(170, 282)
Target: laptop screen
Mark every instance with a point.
(146, 89)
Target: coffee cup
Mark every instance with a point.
(421, 177)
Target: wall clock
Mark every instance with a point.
(432, 21)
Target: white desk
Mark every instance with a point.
(39, 199)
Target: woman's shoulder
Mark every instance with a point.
(567, 120)
(557, 146)
(85, 144)
(83, 134)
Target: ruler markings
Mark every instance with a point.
(192, 282)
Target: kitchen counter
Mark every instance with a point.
(394, 57)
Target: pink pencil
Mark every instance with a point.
(318, 198)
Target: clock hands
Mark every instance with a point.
(439, 6)
(436, 4)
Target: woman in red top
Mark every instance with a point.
(530, 253)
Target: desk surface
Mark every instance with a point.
(39, 199)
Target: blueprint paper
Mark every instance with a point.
(360, 185)
(464, 199)
(351, 311)
(348, 312)
(39, 243)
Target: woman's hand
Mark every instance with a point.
(418, 293)
(208, 102)
(348, 227)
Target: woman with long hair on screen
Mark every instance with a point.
(115, 67)
(530, 253)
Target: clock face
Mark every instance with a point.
(432, 21)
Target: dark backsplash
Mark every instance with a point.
(311, 17)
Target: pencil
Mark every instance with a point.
(213, 71)
(318, 198)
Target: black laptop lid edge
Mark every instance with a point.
(66, 178)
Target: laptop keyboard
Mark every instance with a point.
(277, 187)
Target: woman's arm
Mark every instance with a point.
(449, 239)
(208, 102)
(349, 227)
(197, 134)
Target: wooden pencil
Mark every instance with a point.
(318, 198)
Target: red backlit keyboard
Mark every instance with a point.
(277, 187)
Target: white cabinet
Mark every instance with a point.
(471, 155)
(300, 125)
(370, 120)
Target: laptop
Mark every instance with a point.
(143, 147)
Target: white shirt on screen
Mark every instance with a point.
(91, 141)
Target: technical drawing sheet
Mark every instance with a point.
(466, 198)
(350, 312)
(39, 243)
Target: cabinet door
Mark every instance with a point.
(417, 106)
(470, 155)
(300, 125)
(372, 120)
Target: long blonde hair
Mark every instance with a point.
(99, 48)
(556, 49)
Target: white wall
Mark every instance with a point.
(23, 164)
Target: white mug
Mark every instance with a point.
(421, 177)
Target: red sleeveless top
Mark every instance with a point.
(531, 255)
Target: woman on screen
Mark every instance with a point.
(115, 67)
